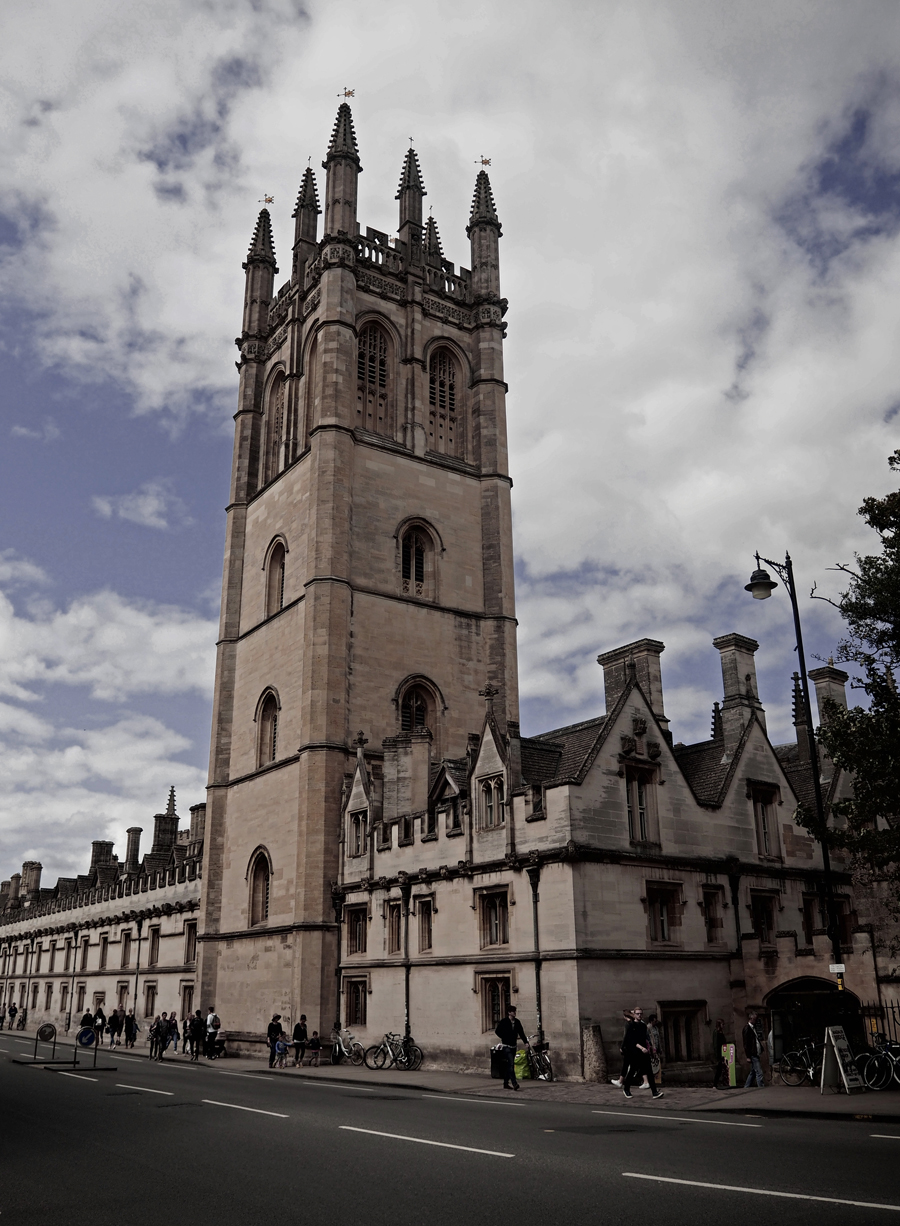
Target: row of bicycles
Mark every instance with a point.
(394, 1051)
(878, 1066)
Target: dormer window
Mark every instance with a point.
(765, 798)
(357, 845)
(640, 798)
(492, 811)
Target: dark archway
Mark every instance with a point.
(803, 1008)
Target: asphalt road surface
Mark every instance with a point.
(172, 1143)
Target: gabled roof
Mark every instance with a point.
(569, 751)
(800, 777)
(452, 770)
(707, 769)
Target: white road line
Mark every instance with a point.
(885, 1136)
(394, 1136)
(493, 1102)
(120, 1085)
(77, 1076)
(685, 1119)
(235, 1107)
(5, 1050)
(251, 1076)
(330, 1085)
(728, 1187)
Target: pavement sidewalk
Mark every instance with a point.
(774, 1100)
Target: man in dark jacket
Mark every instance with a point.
(636, 1050)
(300, 1038)
(509, 1031)
(272, 1035)
(752, 1050)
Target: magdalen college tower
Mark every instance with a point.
(368, 612)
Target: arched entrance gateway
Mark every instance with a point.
(803, 1008)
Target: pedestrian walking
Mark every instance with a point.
(273, 1032)
(12, 1011)
(120, 1024)
(87, 1020)
(99, 1024)
(300, 1038)
(720, 1044)
(174, 1033)
(636, 1048)
(213, 1025)
(315, 1046)
(112, 1028)
(153, 1035)
(509, 1030)
(162, 1038)
(130, 1028)
(198, 1035)
(620, 1080)
(752, 1050)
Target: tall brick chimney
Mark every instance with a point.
(15, 883)
(830, 682)
(133, 850)
(101, 853)
(644, 655)
(739, 682)
(31, 877)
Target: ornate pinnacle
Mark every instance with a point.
(170, 807)
(484, 211)
(308, 197)
(433, 239)
(411, 175)
(360, 739)
(262, 247)
(489, 693)
(343, 138)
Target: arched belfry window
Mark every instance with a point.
(275, 579)
(275, 433)
(444, 424)
(417, 555)
(414, 709)
(372, 408)
(259, 890)
(268, 730)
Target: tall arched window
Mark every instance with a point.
(444, 429)
(259, 891)
(268, 730)
(492, 811)
(275, 580)
(372, 380)
(414, 710)
(274, 441)
(414, 549)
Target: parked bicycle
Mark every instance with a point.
(795, 1067)
(394, 1050)
(883, 1064)
(538, 1055)
(348, 1048)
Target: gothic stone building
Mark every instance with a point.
(435, 865)
(121, 934)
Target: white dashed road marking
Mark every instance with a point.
(727, 1187)
(394, 1136)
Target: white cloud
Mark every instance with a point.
(15, 570)
(49, 432)
(152, 505)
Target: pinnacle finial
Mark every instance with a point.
(343, 137)
(489, 693)
(797, 701)
(717, 729)
(411, 175)
(308, 196)
(170, 807)
(262, 247)
(483, 208)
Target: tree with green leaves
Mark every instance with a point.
(866, 741)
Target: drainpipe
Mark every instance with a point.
(137, 969)
(337, 902)
(534, 876)
(75, 934)
(734, 880)
(405, 893)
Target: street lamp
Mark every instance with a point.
(761, 586)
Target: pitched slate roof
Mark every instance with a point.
(800, 777)
(707, 768)
(573, 748)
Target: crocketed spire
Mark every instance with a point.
(170, 807)
(262, 248)
(411, 175)
(433, 246)
(343, 138)
(308, 197)
(483, 207)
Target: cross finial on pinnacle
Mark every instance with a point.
(360, 739)
(483, 160)
(266, 199)
(347, 93)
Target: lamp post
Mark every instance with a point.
(761, 587)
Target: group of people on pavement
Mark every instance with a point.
(279, 1044)
(640, 1053)
(119, 1025)
(199, 1035)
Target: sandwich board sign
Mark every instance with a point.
(839, 1069)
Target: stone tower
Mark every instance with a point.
(368, 578)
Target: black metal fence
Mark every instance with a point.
(882, 1019)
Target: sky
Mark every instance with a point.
(701, 251)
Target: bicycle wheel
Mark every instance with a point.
(357, 1054)
(336, 1053)
(414, 1057)
(546, 1068)
(878, 1072)
(793, 1069)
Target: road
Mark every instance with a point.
(158, 1143)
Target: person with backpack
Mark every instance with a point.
(213, 1025)
(198, 1035)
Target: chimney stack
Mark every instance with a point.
(198, 822)
(133, 852)
(739, 681)
(101, 853)
(829, 682)
(31, 877)
(15, 883)
(644, 655)
(165, 828)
